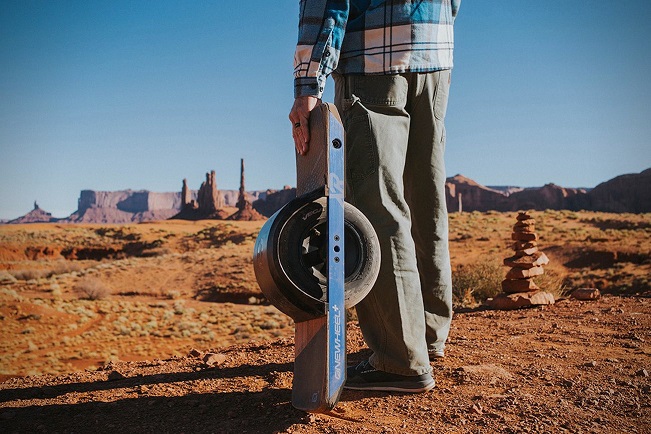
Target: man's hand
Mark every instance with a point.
(300, 119)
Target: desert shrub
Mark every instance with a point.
(6, 277)
(92, 289)
(179, 307)
(269, 324)
(63, 267)
(553, 282)
(11, 293)
(59, 267)
(29, 274)
(172, 294)
(474, 283)
(156, 251)
(120, 233)
(55, 288)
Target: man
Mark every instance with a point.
(391, 63)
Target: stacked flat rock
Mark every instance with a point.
(519, 289)
(528, 261)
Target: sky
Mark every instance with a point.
(113, 95)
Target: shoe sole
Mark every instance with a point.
(384, 387)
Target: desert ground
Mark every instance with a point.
(161, 327)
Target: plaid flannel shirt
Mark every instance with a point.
(381, 37)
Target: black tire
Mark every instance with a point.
(297, 258)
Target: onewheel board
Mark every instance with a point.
(313, 259)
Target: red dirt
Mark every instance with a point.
(571, 367)
(121, 362)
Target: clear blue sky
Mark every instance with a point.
(110, 95)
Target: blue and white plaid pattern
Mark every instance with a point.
(381, 37)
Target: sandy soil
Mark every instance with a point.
(572, 367)
(122, 360)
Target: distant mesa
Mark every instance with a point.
(274, 200)
(625, 193)
(124, 206)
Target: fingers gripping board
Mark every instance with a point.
(320, 357)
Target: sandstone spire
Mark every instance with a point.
(241, 200)
(245, 209)
(210, 199)
(186, 194)
(209, 204)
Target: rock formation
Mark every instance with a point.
(465, 194)
(242, 200)
(209, 204)
(625, 193)
(518, 287)
(245, 209)
(274, 200)
(209, 200)
(549, 196)
(128, 200)
(124, 206)
(186, 194)
(37, 215)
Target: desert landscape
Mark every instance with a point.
(161, 327)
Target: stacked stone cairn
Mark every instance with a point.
(519, 289)
(528, 261)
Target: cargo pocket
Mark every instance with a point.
(361, 150)
(386, 90)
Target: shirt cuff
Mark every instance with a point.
(307, 86)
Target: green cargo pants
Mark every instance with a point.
(395, 141)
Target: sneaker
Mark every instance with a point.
(436, 354)
(366, 377)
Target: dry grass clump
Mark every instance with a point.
(63, 267)
(29, 274)
(6, 277)
(156, 252)
(472, 284)
(553, 282)
(59, 267)
(92, 288)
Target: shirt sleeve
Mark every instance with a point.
(321, 28)
(455, 7)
